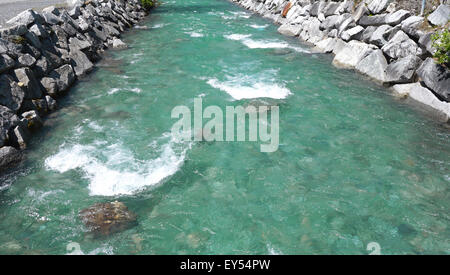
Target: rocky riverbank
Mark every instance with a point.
(43, 54)
(390, 45)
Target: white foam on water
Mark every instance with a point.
(194, 34)
(262, 85)
(114, 170)
(263, 44)
(258, 27)
(157, 26)
(236, 36)
(116, 90)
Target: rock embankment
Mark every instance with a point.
(43, 54)
(392, 46)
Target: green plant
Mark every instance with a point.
(148, 4)
(441, 42)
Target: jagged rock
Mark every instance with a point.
(401, 46)
(26, 60)
(8, 120)
(51, 18)
(104, 219)
(346, 24)
(290, 30)
(52, 9)
(440, 16)
(330, 22)
(333, 33)
(33, 119)
(367, 34)
(425, 97)
(110, 30)
(40, 105)
(75, 12)
(118, 44)
(64, 77)
(380, 35)
(375, 20)
(345, 7)
(77, 44)
(11, 95)
(42, 66)
(378, 6)
(410, 25)
(352, 53)
(25, 18)
(33, 40)
(51, 103)
(28, 82)
(352, 34)
(360, 11)
(326, 46)
(436, 77)
(81, 63)
(19, 29)
(317, 8)
(331, 8)
(9, 156)
(339, 46)
(374, 66)
(6, 63)
(21, 135)
(426, 42)
(403, 70)
(50, 85)
(397, 17)
(38, 30)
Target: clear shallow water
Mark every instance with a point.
(354, 166)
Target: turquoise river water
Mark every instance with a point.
(354, 164)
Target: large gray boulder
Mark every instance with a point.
(78, 44)
(11, 95)
(25, 18)
(290, 30)
(381, 35)
(378, 6)
(8, 120)
(9, 156)
(411, 26)
(401, 46)
(34, 121)
(354, 33)
(331, 22)
(29, 83)
(425, 97)
(6, 63)
(64, 77)
(397, 17)
(26, 60)
(440, 16)
(375, 20)
(50, 86)
(374, 66)
(436, 77)
(352, 53)
(403, 70)
(326, 45)
(21, 135)
(81, 63)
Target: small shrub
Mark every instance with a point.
(441, 42)
(148, 4)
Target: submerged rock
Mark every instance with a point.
(104, 219)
